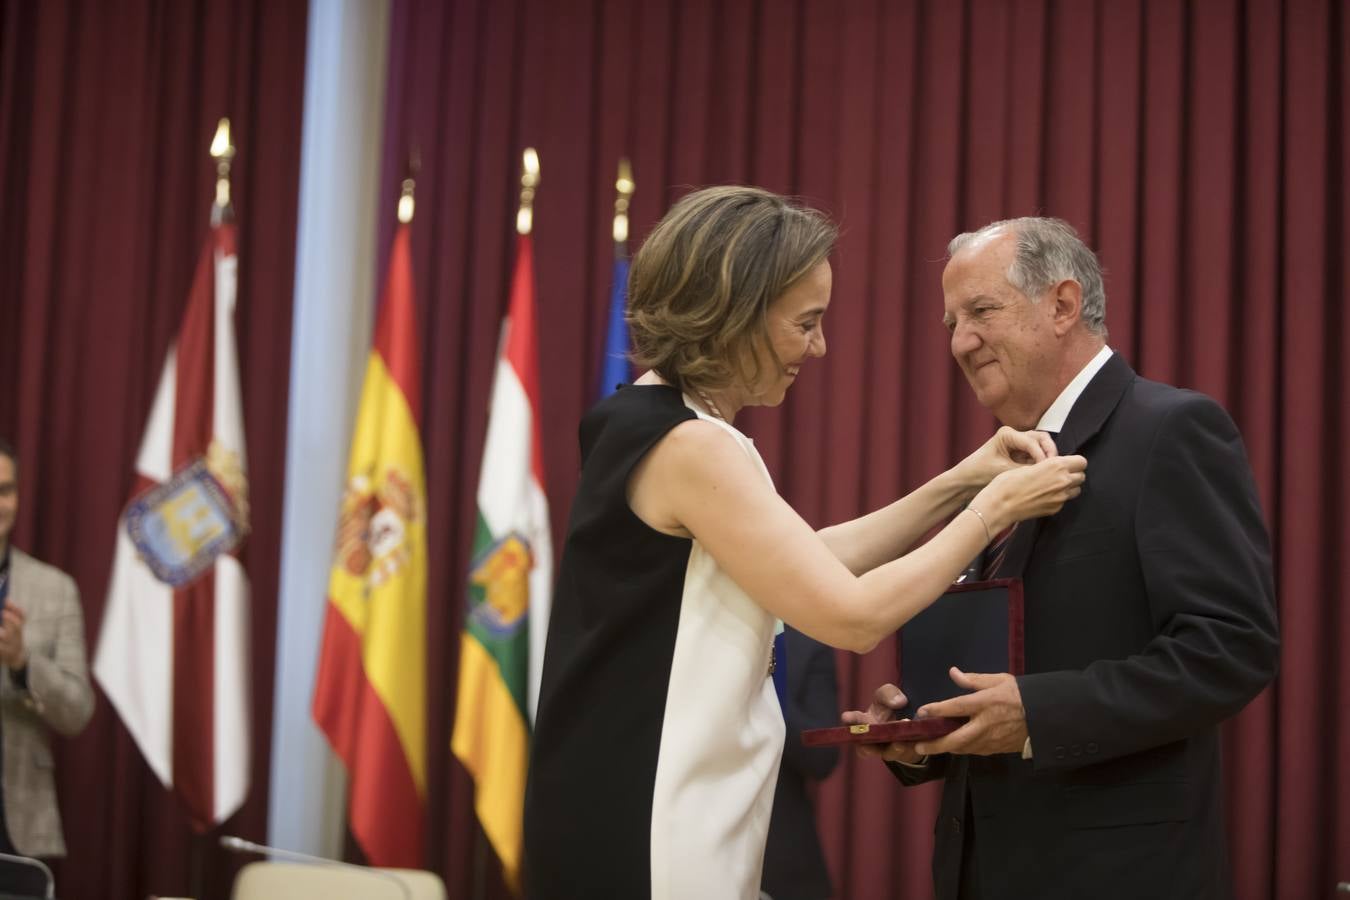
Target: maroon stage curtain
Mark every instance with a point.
(1199, 147)
(106, 114)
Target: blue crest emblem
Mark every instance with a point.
(180, 527)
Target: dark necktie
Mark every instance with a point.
(997, 552)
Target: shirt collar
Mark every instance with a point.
(1058, 413)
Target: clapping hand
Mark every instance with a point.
(12, 652)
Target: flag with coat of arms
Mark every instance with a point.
(173, 649)
(501, 648)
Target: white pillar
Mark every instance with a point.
(330, 340)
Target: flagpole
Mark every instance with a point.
(405, 197)
(614, 366)
(222, 151)
(624, 188)
(405, 202)
(529, 183)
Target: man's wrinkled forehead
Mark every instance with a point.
(977, 269)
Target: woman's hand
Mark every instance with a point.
(1007, 449)
(1031, 492)
(885, 702)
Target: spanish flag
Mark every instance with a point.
(509, 584)
(370, 691)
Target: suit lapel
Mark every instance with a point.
(1095, 405)
(18, 577)
(1090, 412)
(18, 587)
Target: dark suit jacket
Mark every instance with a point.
(1150, 618)
(794, 866)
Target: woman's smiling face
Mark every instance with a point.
(794, 329)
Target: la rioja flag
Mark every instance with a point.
(501, 648)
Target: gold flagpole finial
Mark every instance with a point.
(405, 202)
(625, 187)
(529, 183)
(222, 151)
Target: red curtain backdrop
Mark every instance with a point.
(1200, 147)
(106, 114)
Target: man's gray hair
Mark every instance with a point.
(1048, 251)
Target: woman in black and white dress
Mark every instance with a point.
(659, 735)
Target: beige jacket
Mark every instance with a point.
(58, 698)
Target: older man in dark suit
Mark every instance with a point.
(1150, 608)
(44, 684)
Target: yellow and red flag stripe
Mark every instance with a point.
(370, 690)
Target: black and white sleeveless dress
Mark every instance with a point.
(658, 736)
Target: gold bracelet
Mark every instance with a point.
(988, 537)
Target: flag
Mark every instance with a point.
(370, 689)
(614, 366)
(173, 652)
(509, 583)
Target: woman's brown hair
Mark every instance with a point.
(700, 287)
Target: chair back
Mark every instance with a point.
(299, 881)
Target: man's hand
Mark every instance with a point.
(998, 721)
(885, 702)
(12, 652)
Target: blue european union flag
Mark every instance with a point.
(614, 367)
